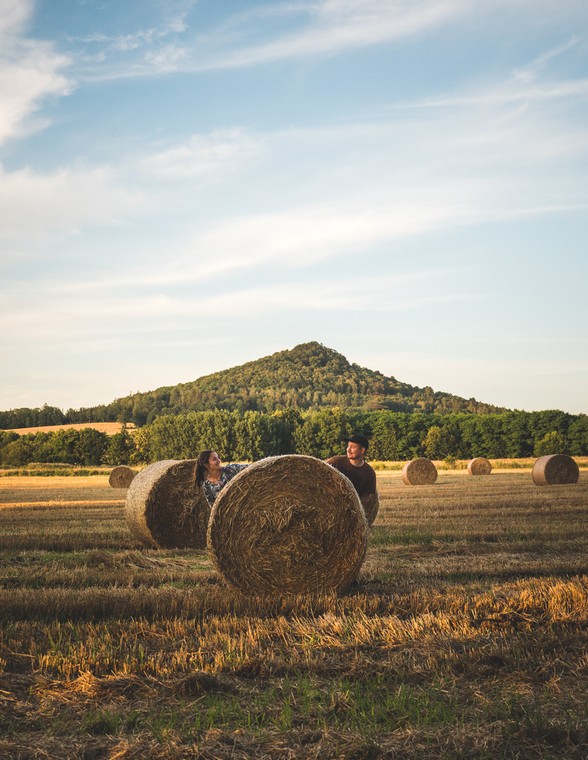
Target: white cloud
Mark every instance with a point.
(404, 175)
(35, 207)
(64, 314)
(334, 26)
(327, 27)
(14, 15)
(209, 157)
(30, 72)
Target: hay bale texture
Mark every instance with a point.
(165, 508)
(479, 466)
(121, 477)
(288, 524)
(419, 472)
(555, 469)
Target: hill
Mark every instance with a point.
(308, 376)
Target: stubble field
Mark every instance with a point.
(465, 637)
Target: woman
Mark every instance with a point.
(212, 476)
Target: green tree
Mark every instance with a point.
(121, 448)
(551, 443)
(433, 443)
(18, 452)
(384, 440)
(323, 434)
(578, 435)
(90, 447)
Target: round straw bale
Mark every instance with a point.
(121, 477)
(419, 472)
(165, 508)
(479, 466)
(555, 469)
(288, 524)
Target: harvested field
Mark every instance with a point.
(465, 635)
(110, 428)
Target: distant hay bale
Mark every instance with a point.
(165, 508)
(371, 507)
(419, 472)
(555, 469)
(479, 466)
(288, 524)
(121, 477)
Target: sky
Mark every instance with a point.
(188, 185)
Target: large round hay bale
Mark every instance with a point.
(121, 477)
(165, 508)
(479, 466)
(555, 469)
(419, 472)
(289, 524)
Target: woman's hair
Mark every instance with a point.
(201, 468)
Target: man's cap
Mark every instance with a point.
(360, 439)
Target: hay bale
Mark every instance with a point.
(371, 507)
(121, 477)
(555, 469)
(419, 472)
(165, 508)
(479, 466)
(288, 524)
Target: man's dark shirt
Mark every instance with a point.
(363, 478)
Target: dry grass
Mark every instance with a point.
(465, 636)
(110, 428)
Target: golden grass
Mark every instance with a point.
(110, 428)
(465, 635)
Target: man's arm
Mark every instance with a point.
(371, 505)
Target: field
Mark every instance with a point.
(110, 428)
(465, 636)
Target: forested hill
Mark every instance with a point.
(309, 376)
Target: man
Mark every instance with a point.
(360, 473)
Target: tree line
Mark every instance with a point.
(251, 435)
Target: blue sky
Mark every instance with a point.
(187, 185)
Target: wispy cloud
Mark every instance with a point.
(524, 86)
(36, 207)
(30, 72)
(252, 37)
(342, 188)
(333, 26)
(64, 314)
(208, 157)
